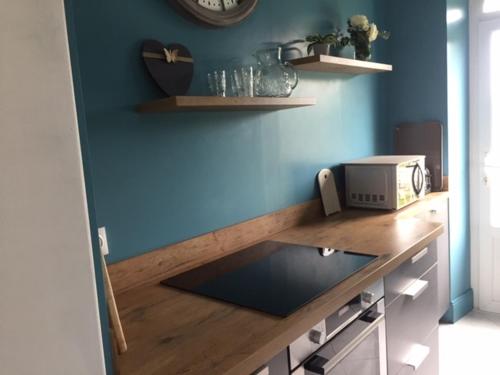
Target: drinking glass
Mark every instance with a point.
(242, 81)
(217, 82)
(247, 80)
(234, 81)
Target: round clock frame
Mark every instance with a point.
(209, 17)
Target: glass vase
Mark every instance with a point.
(363, 51)
(273, 77)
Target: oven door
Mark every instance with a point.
(360, 349)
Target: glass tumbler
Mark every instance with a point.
(217, 82)
(247, 80)
(242, 80)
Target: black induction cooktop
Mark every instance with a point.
(272, 277)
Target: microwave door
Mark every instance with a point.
(411, 181)
(359, 349)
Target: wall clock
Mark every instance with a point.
(220, 13)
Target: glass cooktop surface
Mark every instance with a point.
(272, 277)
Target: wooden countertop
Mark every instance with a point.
(173, 332)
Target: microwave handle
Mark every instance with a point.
(417, 179)
(322, 366)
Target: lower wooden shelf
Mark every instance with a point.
(217, 103)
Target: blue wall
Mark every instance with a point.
(158, 179)
(418, 91)
(430, 82)
(163, 178)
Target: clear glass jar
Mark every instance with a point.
(273, 77)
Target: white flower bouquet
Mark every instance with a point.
(363, 33)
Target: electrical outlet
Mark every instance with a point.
(103, 241)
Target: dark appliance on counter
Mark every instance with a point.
(272, 277)
(350, 341)
(423, 139)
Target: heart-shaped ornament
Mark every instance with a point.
(170, 66)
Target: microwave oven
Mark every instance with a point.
(385, 182)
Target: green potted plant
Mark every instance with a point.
(322, 44)
(363, 34)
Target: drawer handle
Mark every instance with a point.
(416, 289)
(418, 354)
(419, 256)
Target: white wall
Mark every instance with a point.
(49, 321)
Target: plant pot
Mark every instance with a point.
(341, 52)
(321, 49)
(291, 53)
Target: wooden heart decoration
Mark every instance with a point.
(170, 66)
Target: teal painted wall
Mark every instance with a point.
(430, 82)
(458, 139)
(417, 87)
(83, 133)
(159, 179)
(163, 178)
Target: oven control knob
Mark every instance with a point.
(317, 337)
(367, 297)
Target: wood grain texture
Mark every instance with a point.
(174, 332)
(333, 64)
(113, 310)
(174, 259)
(218, 103)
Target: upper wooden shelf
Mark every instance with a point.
(217, 103)
(332, 64)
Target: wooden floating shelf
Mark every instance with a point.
(333, 64)
(217, 103)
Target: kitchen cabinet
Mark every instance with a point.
(397, 281)
(436, 210)
(412, 314)
(431, 364)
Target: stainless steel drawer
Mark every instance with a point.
(424, 364)
(325, 330)
(398, 280)
(411, 318)
(277, 366)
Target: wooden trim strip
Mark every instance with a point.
(183, 256)
(113, 310)
(446, 187)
